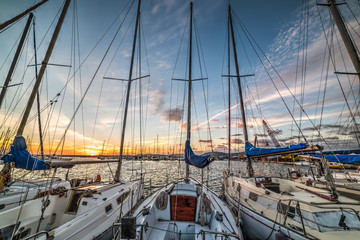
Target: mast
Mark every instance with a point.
(229, 102)
(188, 130)
(43, 68)
(16, 57)
(118, 171)
(249, 167)
(333, 6)
(38, 97)
(14, 19)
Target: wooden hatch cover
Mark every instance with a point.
(183, 208)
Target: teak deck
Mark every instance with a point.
(183, 208)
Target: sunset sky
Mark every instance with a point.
(288, 37)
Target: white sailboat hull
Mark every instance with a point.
(179, 216)
(259, 227)
(100, 218)
(298, 211)
(84, 212)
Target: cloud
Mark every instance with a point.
(157, 100)
(237, 141)
(332, 138)
(261, 135)
(155, 9)
(239, 125)
(309, 129)
(323, 126)
(205, 141)
(234, 118)
(215, 120)
(236, 134)
(183, 126)
(276, 132)
(173, 115)
(329, 126)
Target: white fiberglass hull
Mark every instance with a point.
(299, 211)
(83, 212)
(185, 210)
(20, 192)
(259, 227)
(104, 210)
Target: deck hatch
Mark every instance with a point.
(183, 208)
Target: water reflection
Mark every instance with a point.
(159, 173)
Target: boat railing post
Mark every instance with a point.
(286, 211)
(298, 210)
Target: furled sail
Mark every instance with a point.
(252, 151)
(193, 159)
(342, 158)
(22, 158)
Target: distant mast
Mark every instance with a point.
(118, 171)
(188, 130)
(249, 166)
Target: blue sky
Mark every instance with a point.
(277, 26)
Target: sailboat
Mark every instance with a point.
(277, 208)
(185, 209)
(56, 208)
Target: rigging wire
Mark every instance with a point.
(92, 79)
(249, 36)
(338, 80)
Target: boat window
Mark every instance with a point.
(2, 206)
(260, 179)
(122, 197)
(282, 209)
(253, 196)
(6, 232)
(108, 208)
(22, 234)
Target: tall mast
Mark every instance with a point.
(118, 171)
(188, 130)
(229, 102)
(249, 167)
(38, 96)
(14, 19)
(16, 57)
(42, 69)
(333, 6)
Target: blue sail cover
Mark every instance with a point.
(342, 158)
(252, 151)
(193, 159)
(22, 157)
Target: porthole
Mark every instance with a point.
(108, 208)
